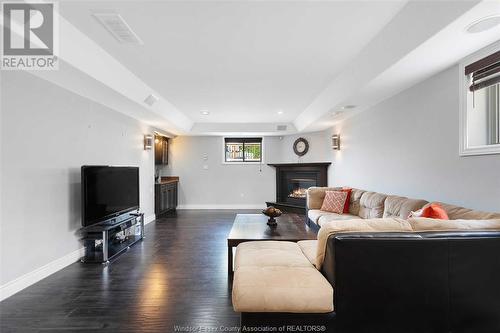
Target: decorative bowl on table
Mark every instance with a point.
(272, 212)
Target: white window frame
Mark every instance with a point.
(464, 148)
(242, 163)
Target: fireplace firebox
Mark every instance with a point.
(292, 181)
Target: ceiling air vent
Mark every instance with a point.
(281, 128)
(117, 26)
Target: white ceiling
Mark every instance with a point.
(241, 61)
(244, 61)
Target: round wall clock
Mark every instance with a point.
(300, 146)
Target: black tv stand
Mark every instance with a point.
(106, 232)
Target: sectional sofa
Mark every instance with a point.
(375, 270)
(369, 205)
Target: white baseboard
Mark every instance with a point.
(149, 219)
(236, 206)
(26, 280)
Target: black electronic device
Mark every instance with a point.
(109, 193)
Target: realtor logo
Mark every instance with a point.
(29, 36)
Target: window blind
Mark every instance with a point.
(243, 140)
(484, 72)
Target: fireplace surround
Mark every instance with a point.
(292, 181)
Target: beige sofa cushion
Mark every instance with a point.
(360, 225)
(281, 289)
(396, 206)
(372, 205)
(275, 276)
(316, 195)
(315, 214)
(461, 213)
(335, 217)
(269, 253)
(421, 224)
(320, 216)
(308, 248)
(354, 201)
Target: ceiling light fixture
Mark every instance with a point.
(205, 112)
(280, 112)
(348, 107)
(483, 24)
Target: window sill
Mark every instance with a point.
(242, 163)
(480, 150)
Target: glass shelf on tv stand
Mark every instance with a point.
(109, 248)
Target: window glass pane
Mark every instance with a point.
(252, 152)
(234, 152)
(483, 116)
(243, 149)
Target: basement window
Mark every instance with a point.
(480, 104)
(243, 150)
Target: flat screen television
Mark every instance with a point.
(108, 191)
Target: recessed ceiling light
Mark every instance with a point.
(347, 107)
(483, 24)
(204, 112)
(280, 112)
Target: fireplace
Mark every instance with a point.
(292, 181)
(297, 187)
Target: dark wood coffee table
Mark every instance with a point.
(253, 227)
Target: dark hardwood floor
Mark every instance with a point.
(176, 276)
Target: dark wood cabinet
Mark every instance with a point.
(165, 197)
(161, 150)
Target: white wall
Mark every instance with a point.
(233, 185)
(47, 133)
(408, 145)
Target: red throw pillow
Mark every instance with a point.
(334, 201)
(347, 200)
(433, 211)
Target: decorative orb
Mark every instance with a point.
(272, 212)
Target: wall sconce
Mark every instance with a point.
(148, 142)
(336, 142)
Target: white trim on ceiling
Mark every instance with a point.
(372, 69)
(405, 33)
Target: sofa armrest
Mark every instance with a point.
(316, 195)
(418, 282)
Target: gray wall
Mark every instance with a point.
(408, 145)
(319, 148)
(233, 185)
(47, 133)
